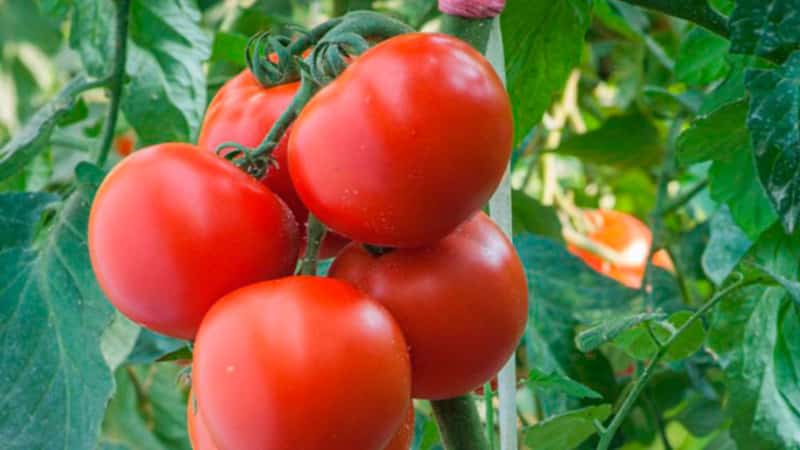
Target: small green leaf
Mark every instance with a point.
(639, 344)
(151, 346)
(543, 41)
(716, 135)
(565, 431)
(532, 217)
(773, 122)
(32, 139)
(765, 27)
(560, 383)
(622, 141)
(702, 57)
(591, 338)
(727, 246)
(181, 354)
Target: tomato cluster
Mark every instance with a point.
(428, 300)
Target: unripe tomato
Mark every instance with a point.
(243, 111)
(461, 303)
(301, 363)
(172, 229)
(409, 141)
(626, 235)
(124, 144)
(198, 432)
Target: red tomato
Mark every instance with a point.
(301, 363)
(403, 437)
(243, 111)
(123, 144)
(409, 141)
(628, 236)
(172, 229)
(198, 432)
(462, 303)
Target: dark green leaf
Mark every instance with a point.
(765, 27)
(702, 57)
(591, 338)
(166, 95)
(773, 122)
(229, 47)
(21, 21)
(151, 346)
(560, 383)
(727, 246)
(531, 216)
(565, 431)
(701, 416)
(622, 141)
(181, 354)
(55, 379)
(31, 140)
(639, 343)
(91, 34)
(716, 135)
(543, 41)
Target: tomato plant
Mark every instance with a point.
(164, 249)
(398, 152)
(306, 338)
(435, 293)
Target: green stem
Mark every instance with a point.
(307, 89)
(116, 78)
(459, 424)
(489, 412)
(683, 199)
(315, 233)
(474, 31)
(696, 11)
(607, 435)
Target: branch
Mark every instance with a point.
(116, 78)
(459, 424)
(696, 11)
(607, 434)
(315, 233)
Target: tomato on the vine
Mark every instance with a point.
(124, 144)
(243, 111)
(198, 432)
(626, 235)
(172, 229)
(461, 303)
(301, 363)
(407, 143)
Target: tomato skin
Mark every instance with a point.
(403, 436)
(301, 363)
(409, 141)
(628, 236)
(459, 335)
(243, 111)
(198, 432)
(172, 229)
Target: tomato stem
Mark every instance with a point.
(116, 78)
(459, 424)
(315, 233)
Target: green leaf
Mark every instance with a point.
(55, 379)
(639, 344)
(21, 21)
(531, 216)
(229, 47)
(560, 383)
(701, 416)
(716, 136)
(32, 139)
(566, 431)
(773, 119)
(622, 141)
(592, 338)
(543, 41)
(151, 346)
(118, 340)
(91, 34)
(755, 333)
(166, 95)
(765, 27)
(148, 410)
(702, 57)
(727, 246)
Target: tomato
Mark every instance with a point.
(172, 229)
(198, 432)
(124, 143)
(301, 363)
(626, 235)
(403, 437)
(461, 303)
(409, 141)
(243, 111)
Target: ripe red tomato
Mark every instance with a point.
(198, 432)
(301, 363)
(409, 141)
(403, 437)
(628, 236)
(461, 303)
(243, 111)
(172, 229)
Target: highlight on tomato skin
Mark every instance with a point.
(459, 336)
(324, 367)
(165, 248)
(626, 235)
